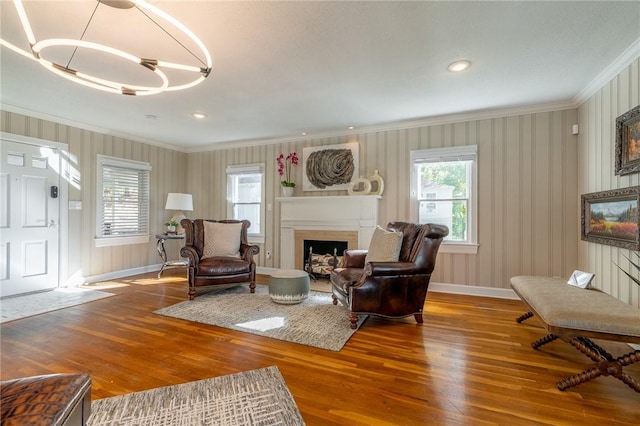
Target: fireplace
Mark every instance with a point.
(351, 219)
(322, 257)
(348, 238)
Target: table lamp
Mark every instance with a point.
(179, 202)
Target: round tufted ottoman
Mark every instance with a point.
(289, 286)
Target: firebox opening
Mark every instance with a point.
(321, 257)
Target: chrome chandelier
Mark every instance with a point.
(38, 53)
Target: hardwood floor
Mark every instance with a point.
(469, 363)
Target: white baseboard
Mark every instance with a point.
(499, 293)
(81, 280)
(265, 271)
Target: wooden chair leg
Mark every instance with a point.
(335, 299)
(252, 287)
(418, 318)
(353, 318)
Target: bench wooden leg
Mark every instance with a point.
(544, 340)
(524, 316)
(606, 365)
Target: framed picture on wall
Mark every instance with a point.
(611, 217)
(628, 142)
(329, 167)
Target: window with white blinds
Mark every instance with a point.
(122, 201)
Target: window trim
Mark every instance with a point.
(238, 169)
(467, 152)
(108, 241)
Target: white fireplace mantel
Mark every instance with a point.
(330, 213)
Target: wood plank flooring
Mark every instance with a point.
(470, 363)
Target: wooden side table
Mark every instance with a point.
(163, 253)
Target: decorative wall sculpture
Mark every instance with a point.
(329, 168)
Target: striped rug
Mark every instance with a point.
(257, 397)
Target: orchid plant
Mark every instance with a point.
(285, 164)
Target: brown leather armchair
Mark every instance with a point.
(217, 270)
(389, 289)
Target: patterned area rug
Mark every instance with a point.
(13, 308)
(257, 397)
(314, 322)
(321, 285)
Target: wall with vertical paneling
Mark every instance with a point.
(168, 174)
(527, 167)
(528, 209)
(596, 172)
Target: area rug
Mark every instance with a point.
(13, 308)
(314, 322)
(321, 285)
(257, 397)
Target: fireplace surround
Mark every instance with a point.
(351, 218)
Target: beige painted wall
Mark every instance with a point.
(596, 172)
(528, 215)
(168, 174)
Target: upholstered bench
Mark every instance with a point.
(578, 315)
(51, 400)
(289, 286)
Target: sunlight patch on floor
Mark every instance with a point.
(264, 324)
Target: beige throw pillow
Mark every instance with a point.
(385, 246)
(221, 239)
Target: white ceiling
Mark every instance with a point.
(283, 68)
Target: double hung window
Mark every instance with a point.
(245, 195)
(444, 191)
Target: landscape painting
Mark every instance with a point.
(611, 217)
(628, 142)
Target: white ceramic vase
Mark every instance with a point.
(287, 191)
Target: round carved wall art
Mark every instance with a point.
(330, 167)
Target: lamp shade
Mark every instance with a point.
(178, 201)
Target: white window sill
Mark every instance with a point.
(121, 241)
(458, 248)
(255, 239)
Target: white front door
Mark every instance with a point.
(29, 218)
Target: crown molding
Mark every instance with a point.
(629, 55)
(84, 126)
(398, 125)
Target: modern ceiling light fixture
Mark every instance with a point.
(37, 47)
(198, 115)
(459, 66)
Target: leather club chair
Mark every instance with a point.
(389, 289)
(209, 268)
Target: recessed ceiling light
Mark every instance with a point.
(151, 117)
(459, 66)
(304, 133)
(199, 115)
(350, 127)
